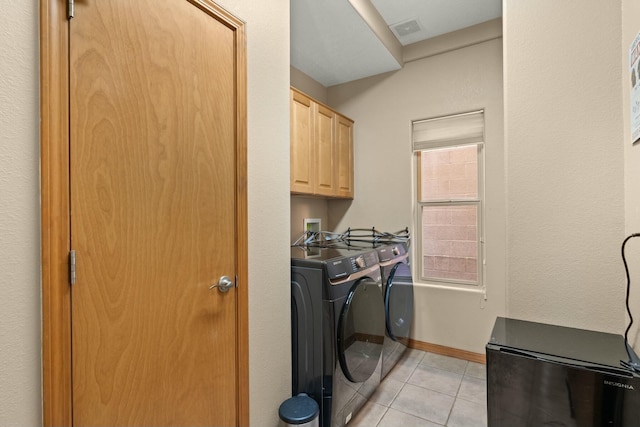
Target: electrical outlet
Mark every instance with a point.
(312, 224)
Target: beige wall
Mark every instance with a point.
(268, 132)
(630, 29)
(269, 255)
(564, 156)
(383, 107)
(19, 216)
(307, 207)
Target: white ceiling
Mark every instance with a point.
(333, 44)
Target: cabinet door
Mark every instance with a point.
(325, 147)
(302, 144)
(344, 157)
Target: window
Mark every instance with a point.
(449, 205)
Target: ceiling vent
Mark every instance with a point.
(405, 28)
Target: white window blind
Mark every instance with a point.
(459, 129)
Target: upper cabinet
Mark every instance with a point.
(302, 141)
(344, 157)
(321, 149)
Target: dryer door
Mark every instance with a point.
(361, 330)
(398, 301)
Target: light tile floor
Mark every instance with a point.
(426, 390)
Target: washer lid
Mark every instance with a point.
(398, 301)
(361, 330)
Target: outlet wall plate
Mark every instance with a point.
(312, 224)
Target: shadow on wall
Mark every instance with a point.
(330, 212)
(357, 88)
(337, 209)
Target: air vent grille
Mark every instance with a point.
(405, 28)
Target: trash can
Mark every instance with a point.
(299, 411)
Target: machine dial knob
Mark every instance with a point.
(395, 251)
(360, 262)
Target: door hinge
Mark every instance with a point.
(72, 267)
(70, 10)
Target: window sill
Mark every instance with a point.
(476, 289)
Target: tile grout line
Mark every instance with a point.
(419, 360)
(383, 414)
(404, 383)
(455, 398)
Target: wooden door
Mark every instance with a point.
(154, 145)
(302, 143)
(324, 126)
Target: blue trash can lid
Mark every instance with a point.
(299, 409)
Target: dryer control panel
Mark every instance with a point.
(392, 251)
(342, 268)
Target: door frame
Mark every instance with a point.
(55, 212)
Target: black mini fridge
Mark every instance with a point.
(546, 375)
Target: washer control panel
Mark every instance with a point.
(358, 262)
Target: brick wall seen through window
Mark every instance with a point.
(449, 179)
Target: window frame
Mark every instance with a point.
(479, 202)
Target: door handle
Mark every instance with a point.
(224, 284)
